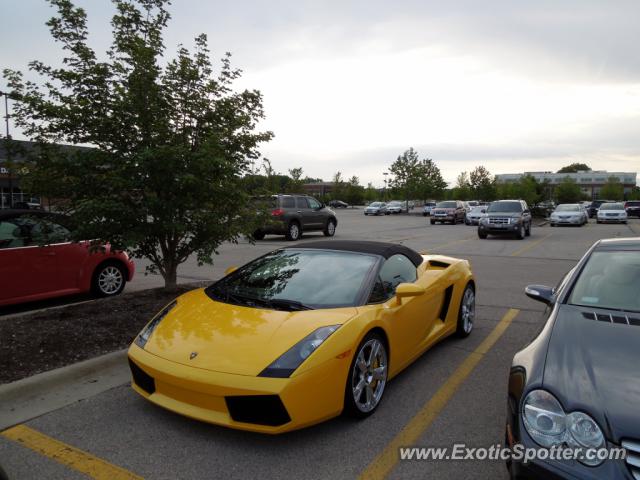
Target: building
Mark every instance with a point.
(11, 164)
(590, 182)
(318, 189)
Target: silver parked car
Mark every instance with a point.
(376, 208)
(569, 214)
(612, 213)
(475, 214)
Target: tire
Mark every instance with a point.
(467, 222)
(365, 214)
(598, 221)
(109, 279)
(482, 236)
(527, 231)
(552, 224)
(330, 228)
(433, 222)
(520, 234)
(258, 235)
(361, 406)
(466, 312)
(424, 214)
(294, 232)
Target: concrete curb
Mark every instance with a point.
(45, 392)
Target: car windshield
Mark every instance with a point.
(478, 210)
(505, 207)
(430, 204)
(609, 280)
(611, 206)
(446, 205)
(633, 204)
(568, 208)
(297, 279)
(375, 204)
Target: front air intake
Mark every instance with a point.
(259, 409)
(142, 379)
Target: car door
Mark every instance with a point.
(411, 321)
(28, 265)
(70, 257)
(304, 211)
(318, 214)
(526, 214)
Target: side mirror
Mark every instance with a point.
(540, 293)
(406, 290)
(231, 269)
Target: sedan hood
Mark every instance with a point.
(592, 365)
(231, 338)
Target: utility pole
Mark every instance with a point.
(8, 147)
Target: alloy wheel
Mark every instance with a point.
(369, 375)
(468, 308)
(110, 280)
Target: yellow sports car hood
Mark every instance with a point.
(203, 333)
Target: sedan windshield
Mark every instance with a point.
(611, 206)
(505, 207)
(375, 204)
(568, 208)
(446, 205)
(609, 280)
(297, 279)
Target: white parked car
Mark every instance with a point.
(426, 210)
(612, 213)
(569, 214)
(396, 206)
(376, 208)
(475, 214)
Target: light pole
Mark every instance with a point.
(384, 194)
(7, 146)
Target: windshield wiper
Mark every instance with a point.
(287, 304)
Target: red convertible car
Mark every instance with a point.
(38, 261)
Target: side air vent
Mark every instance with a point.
(445, 304)
(610, 318)
(436, 264)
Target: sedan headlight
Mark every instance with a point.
(547, 423)
(143, 336)
(288, 362)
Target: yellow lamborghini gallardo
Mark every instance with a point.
(301, 334)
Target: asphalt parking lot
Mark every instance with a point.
(455, 393)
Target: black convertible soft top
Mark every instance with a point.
(383, 249)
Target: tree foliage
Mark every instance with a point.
(612, 190)
(171, 143)
(412, 177)
(568, 191)
(482, 184)
(574, 168)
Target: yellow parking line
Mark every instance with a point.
(380, 467)
(72, 457)
(530, 246)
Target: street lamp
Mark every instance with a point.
(384, 194)
(8, 148)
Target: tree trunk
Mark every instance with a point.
(170, 276)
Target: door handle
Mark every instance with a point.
(299, 211)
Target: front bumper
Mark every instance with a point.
(612, 219)
(499, 229)
(215, 397)
(566, 221)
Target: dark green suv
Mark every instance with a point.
(506, 217)
(291, 215)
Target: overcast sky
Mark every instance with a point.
(349, 85)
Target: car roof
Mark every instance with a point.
(383, 249)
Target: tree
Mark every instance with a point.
(429, 183)
(170, 143)
(354, 194)
(482, 184)
(404, 173)
(575, 167)
(338, 186)
(462, 190)
(568, 191)
(296, 183)
(612, 190)
(525, 188)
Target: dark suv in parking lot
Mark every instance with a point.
(506, 217)
(293, 214)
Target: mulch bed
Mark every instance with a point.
(37, 342)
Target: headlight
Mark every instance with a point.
(143, 336)
(548, 424)
(484, 220)
(288, 362)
